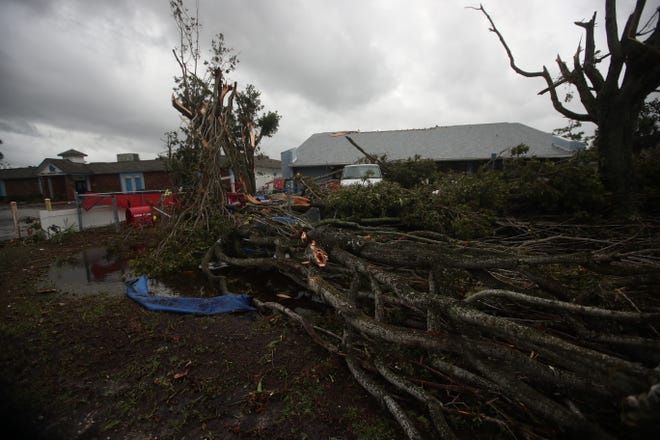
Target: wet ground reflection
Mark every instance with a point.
(94, 270)
(98, 271)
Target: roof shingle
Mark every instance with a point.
(450, 143)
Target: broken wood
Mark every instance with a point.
(415, 308)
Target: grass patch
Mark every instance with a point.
(371, 428)
(301, 400)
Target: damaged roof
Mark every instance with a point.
(450, 143)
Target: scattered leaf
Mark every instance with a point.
(180, 375)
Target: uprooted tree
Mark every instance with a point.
(538, 331)
(614, 99)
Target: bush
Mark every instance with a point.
(465, 206)
(484, 190)
(647, 169)
(435, 212)
(182, 252)
(418, 208)
(570, 187)
(384, 199)
(411, 172)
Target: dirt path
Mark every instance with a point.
(102, 367)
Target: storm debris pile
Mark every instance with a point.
(541, 331)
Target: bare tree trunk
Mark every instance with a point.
(616, 129)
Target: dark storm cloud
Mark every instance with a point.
(96, 75)
(19, 127)
(318, 50)
(81, 67)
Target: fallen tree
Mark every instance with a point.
(545, 331)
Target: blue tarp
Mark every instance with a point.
(138, 290)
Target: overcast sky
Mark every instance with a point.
(97, 75)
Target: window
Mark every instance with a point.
(131, 182)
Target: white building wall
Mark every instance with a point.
(266, 175)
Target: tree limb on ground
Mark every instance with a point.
(429, 338)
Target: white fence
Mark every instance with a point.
(65, 219)
(18, 222)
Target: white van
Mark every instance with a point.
(360, 174)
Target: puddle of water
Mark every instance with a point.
(97, 271)
(92, 271)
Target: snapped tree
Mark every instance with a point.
(220, 120)
(222, 127)
(612, 100)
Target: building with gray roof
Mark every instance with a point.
(460, 147)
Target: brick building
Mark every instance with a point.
(60, 179)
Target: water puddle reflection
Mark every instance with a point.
(94, 270)
(98, 271)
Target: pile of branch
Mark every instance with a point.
(545, 331)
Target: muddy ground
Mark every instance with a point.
(97, 365)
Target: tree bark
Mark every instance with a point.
(535, 366)
(617, 123)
